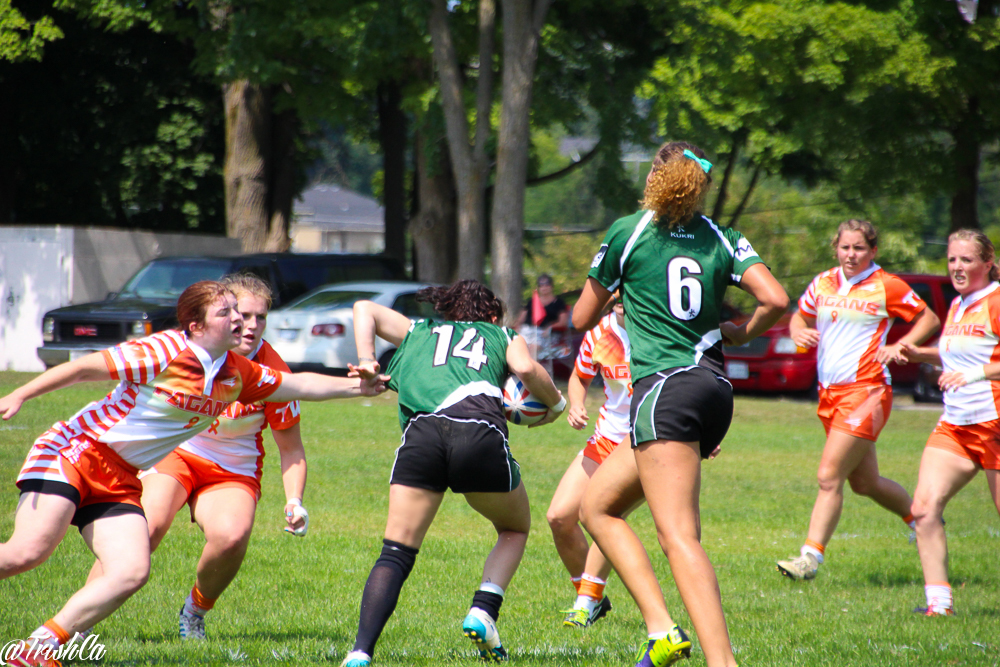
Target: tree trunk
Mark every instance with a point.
(433, 227)
(733, 221)
(727, 175)
(471, 164)
(259, 171)
(964, 200)
(522, 21)
(282, 181)
(392, 137)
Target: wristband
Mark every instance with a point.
(294, 501)
(975, 374)
(560, 406)
(298, 511)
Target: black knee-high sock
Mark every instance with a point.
(382, 592)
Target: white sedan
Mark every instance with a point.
(316, 331)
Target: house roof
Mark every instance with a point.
(334, 208)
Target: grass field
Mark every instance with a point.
(296, 600)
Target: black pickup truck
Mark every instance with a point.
(147, 303)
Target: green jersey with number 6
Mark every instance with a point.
(672, 283)
(452, 368)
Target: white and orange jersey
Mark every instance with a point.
(853, 316)
(235, 442)
(606, 349)
(970, 338)
(170, 390)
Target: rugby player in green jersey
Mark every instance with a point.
(449, 376)
(672, 266)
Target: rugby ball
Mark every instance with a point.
(519, 405)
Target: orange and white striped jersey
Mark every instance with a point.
(235, 442)
(606, 350)
(971, 337)
(170, 390)
(853, 316)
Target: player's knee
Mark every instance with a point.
(924, 509)
(829, 479)
(23, 557)
(560, 523)
(133, 576)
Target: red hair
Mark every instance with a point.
(195, 301)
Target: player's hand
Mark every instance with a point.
(891, 353)
(365, 370)
(807, 337)
(952, 380)
(296, 517)
(577, 417)
(909, 352)
(550, 414)
(9, 406)
(733, 334)
(373, 386)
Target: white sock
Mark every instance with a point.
(658, 635)
(806, 549)
(939, 598)
(45, 637)
(491, 588)
(586, 602)
(191, 609)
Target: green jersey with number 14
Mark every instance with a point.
(452, 368)
(672, 283)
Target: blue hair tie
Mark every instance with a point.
(705, 164)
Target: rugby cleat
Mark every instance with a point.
(192, 626)
(582, 618)
(27, 657)
(800, 567)
(480, 628)
(356, 659)
(666, 651)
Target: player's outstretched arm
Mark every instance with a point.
(772, 304)
(916, 355)
(536, 379)
(293, 477)
(590, 305)
(90, 368)
(316, 387)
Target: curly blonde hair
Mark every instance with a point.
(983, 244)
(677, 185)
(248, 283)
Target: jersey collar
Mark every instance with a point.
(847, 283)
(211, 366)
(966, 301)
(253, 355)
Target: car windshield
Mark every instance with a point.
(330, 299)
(166, 280)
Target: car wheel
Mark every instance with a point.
(383, 361)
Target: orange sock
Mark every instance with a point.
(816, 545)
(56, 630)
(592, 589)
(908, 519)
(576, 581)
(200, 601)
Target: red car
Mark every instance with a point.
(772, 362)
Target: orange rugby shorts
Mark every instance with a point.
(979, 443)
(860, 410)
(598, 448)
(198, 475)
(95, 470)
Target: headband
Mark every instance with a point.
(705, 164)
